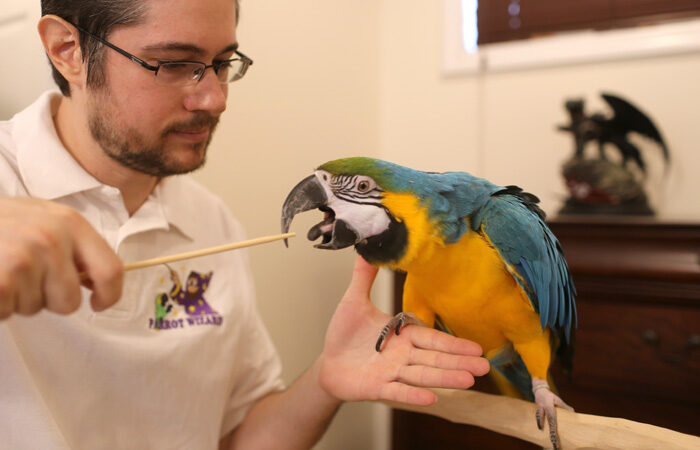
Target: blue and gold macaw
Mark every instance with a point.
(479, 259)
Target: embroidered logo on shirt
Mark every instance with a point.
(188, 298)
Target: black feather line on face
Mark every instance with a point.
(353, 196)
(387, 247)
(342, 182)
(357, 202)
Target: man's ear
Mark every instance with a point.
(62, 44)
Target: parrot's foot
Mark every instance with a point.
(546, 400)
(396, 323)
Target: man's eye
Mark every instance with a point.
(175, 67)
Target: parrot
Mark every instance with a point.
(479, 259)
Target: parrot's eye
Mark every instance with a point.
(364, 186)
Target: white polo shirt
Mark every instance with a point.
(169, 366)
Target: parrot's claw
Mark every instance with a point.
(396, 323)
(546, 401)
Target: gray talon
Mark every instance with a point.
(396, 323)
(547, 401)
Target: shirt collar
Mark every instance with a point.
(177, 203)
(48, 170)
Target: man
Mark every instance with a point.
(85, 182)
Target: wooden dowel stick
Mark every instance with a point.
(202, 252)
(516, 418)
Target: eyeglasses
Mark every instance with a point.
(178, 73)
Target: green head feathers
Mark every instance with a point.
(360, 165)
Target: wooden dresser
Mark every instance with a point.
(638, 339)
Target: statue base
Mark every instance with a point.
(639, 207)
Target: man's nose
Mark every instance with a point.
(208, 94)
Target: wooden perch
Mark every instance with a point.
(576, 431)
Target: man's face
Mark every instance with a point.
(154, 129)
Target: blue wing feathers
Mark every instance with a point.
(523, 269)
(524, 241)
(452, 196)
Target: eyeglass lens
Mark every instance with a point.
(184, 73)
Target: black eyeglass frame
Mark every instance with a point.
(247, 62)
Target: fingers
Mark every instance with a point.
(430, 339)
(432, 377)
(475, 365)
(363, 276)
(399, 392)
(30, 299)
(30, 261)
(42, 244)
(103, 268)
(441, 360)
(60, 287)
(100, 263)
(7, 296)
(21, 281)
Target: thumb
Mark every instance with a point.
(363, 276)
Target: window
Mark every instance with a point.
(495, 35)
(506, 20)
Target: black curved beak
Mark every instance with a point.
(308, 194)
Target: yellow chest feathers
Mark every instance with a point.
(467, 283)
(426, 253)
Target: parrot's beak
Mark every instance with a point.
(310, 194)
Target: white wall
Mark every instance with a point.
(24, 72)
(426, 122)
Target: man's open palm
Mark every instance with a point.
(419, 357)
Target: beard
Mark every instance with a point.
(144, 153)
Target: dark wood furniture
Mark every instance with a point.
(638, 340)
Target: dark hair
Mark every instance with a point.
(97, 17)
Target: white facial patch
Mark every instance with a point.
(367, 219)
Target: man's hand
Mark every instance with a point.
(419, 357)
(43, 247)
